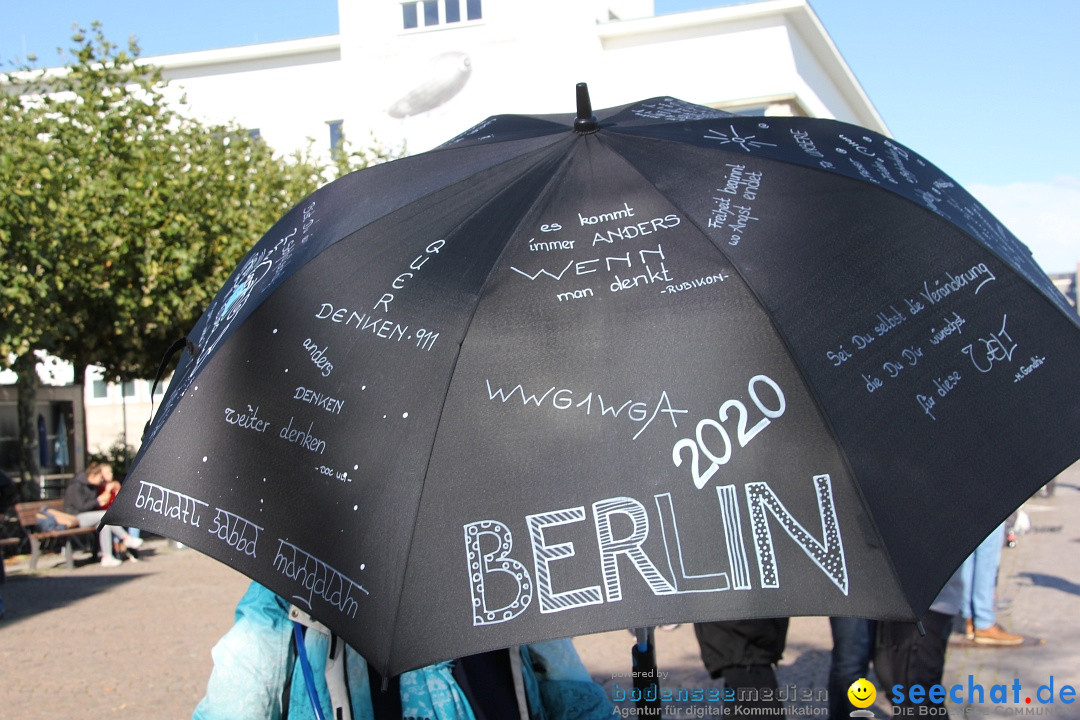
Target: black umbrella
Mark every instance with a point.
(560, 376)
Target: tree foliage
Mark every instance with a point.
(120, 216)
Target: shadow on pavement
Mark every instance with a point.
(29, 595)
(1051, 581)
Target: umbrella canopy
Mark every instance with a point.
(570, 374)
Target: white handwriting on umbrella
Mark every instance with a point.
(234, 529)
(743, 434)
(317, 578)
(735, 139)
(565, 399)
(997, 347)
(401, 280)
(587, 267)
(761, 501)
(169, 503)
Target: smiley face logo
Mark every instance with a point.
(862, 693)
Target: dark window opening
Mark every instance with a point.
(408, 16)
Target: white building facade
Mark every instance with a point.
(419, 72)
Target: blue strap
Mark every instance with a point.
(305, 666)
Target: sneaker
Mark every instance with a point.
(111, 562)
(133, 543)
(996, 635)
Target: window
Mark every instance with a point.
(100, 389)
(431, 13)
(336, 136)
(408, 15)
(129, 388)
(453, 11)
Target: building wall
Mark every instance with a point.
(287, 91)
(115, 411)
(425, 85)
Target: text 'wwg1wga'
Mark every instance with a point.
(317, 580)
(636, 411)
(169, 503)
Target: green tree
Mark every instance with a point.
(120, 217)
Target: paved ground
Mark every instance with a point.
(134, 641)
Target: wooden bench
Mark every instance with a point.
(28, 519)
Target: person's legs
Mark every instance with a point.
(133, 542)
(105, 542)
(853, 646)
(986, 557)
(904, 657)
(755, 691)
(967, 580)
(105, 535)
(90, 519)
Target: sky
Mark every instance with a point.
(985, 89)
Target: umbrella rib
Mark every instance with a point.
(795, 360)
(543, 157)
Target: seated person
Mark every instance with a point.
(86, 497)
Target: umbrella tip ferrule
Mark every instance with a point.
(585, 122)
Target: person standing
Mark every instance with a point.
(979, 586)
(852, 651)
(744, 653)
(907, 654)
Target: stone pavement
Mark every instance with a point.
(134, 642)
